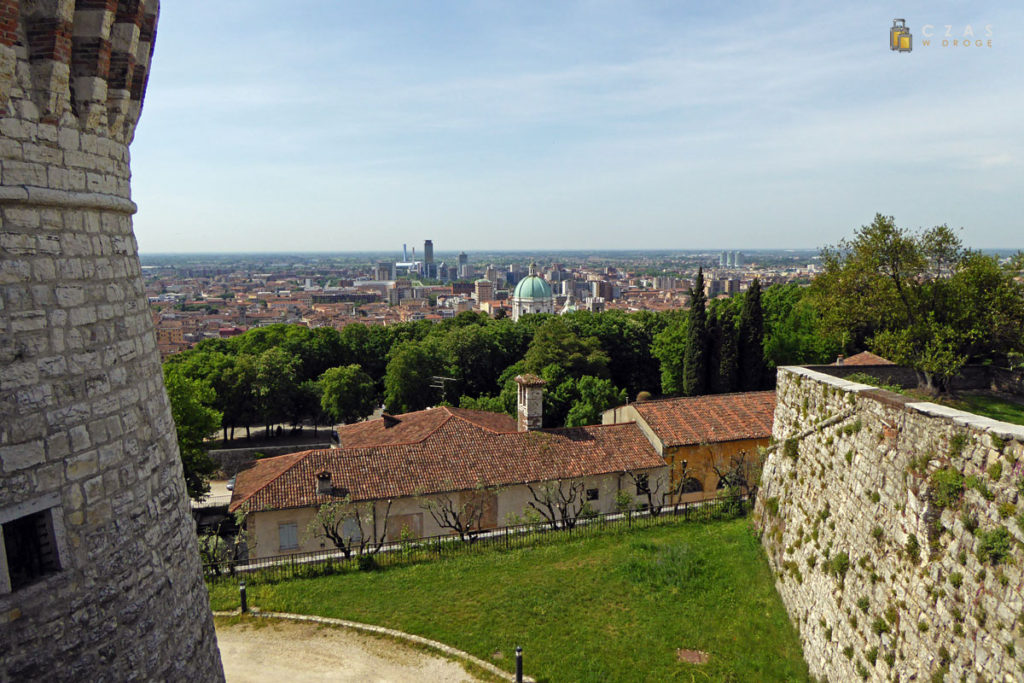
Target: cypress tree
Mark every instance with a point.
(695, 358)
(752, 368)
(724, 367)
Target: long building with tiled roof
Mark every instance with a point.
(394, 464)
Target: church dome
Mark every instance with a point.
(532, 286)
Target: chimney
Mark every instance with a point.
(839, 359)
(531, 402)
(323, 483)
(389, 420)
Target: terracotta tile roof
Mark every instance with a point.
(458, 456)
(866, 358)
(414, 427)
(710, 419)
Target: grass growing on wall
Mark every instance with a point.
(615, 607)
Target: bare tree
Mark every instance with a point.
(652, 491)
(462, 512)
(350, 526)
(740, 470)
(559, 502)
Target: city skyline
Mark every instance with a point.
(342, 127)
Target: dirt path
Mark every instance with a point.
(254, 652)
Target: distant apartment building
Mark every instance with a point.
(484, 290)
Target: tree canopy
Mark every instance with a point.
(920, 298)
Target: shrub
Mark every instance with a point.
(998, 442)
(1007, 510)
(789, 448)
(874, 496)
(849, 457)
(970, 523)
(890, 658)
(367, 563)
(913, 549)
(871, 655)
(861, 671)
(891, 615)
(848, 651)
(863, 603)
(995, 471)
(879, 626)
(994, 546)
(956, 579)
(840, 564)
(877, 533)
(771, 506)
(947, 487)
(922, 626)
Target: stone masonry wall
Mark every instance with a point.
(895, 531)
(86, 435)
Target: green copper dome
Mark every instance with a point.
(532, 287)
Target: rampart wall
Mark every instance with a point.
(895, 531)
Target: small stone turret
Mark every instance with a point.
(531, 402)
(99, 571)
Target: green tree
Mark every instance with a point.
(275, 385)
(669, 347)
(724, 355)
(555, 344)
(194, 422)
(408, 378)
(347, 393)
(695, 357)
(752, 370)
(920, 299)
(595, 395)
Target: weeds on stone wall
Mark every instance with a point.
(994, 546)
(947, 487)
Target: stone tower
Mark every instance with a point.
(99, 573)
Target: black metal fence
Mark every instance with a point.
(332, 561)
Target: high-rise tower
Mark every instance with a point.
(99, 571)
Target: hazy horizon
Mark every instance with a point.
(498, 125)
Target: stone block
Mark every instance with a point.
(21, 456)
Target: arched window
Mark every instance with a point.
(691, 485)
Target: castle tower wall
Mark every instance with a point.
(99, 571)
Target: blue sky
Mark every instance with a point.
(336, 126)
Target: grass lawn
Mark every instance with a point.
(613, 607)
(991, 406)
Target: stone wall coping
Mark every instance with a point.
(1004, 430)
(44, 196)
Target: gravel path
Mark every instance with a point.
(271, 650)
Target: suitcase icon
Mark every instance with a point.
(900, 39)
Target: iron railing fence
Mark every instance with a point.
(332, 560)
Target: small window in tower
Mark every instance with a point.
(642, 484)
(30, 549)
(592, 494)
